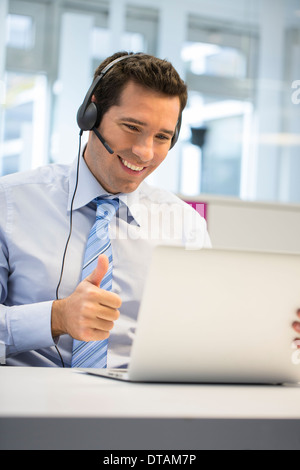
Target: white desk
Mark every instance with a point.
(43, 408)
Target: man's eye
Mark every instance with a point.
(163, 137)
(131, 127)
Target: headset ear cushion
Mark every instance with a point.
(87, 119)
(176, 133)
(174, 138)
(99, 115)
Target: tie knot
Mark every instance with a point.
(106, 208)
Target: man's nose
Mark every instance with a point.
(143, 149)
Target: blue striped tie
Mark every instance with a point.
(94, 353)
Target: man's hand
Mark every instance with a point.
(88, 314)
(296, 326)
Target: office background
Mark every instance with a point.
(240, 58)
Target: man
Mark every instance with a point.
(47, 215)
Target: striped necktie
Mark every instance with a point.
(94, 353)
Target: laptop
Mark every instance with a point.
(216, 316)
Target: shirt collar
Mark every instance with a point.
(88, 188)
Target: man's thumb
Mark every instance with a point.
(99, 272)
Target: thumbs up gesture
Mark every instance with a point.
(99, 272)
(89, 313)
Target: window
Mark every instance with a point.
(219, 64)
(24, 122)
(24, 86)
(26, 40)
(214, 60)
(215, 135)
(141, 29)
(20, 32)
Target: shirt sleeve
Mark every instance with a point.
(22, 327)
(26, 327)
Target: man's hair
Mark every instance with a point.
(146, 70)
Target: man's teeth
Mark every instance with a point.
(132, 167)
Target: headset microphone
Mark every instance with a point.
(95, 130)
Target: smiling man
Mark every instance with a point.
(50, 301)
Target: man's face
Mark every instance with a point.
(139, 130)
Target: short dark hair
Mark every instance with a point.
(146, 70)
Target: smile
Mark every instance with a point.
(130, 166)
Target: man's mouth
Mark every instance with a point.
(131, 166)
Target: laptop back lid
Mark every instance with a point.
(218, 316)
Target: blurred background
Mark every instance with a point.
(240, 135)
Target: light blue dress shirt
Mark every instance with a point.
(34, 226)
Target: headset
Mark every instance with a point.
(88, 114)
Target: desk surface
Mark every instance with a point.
(64, 403)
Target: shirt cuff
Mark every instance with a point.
(30, 326)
